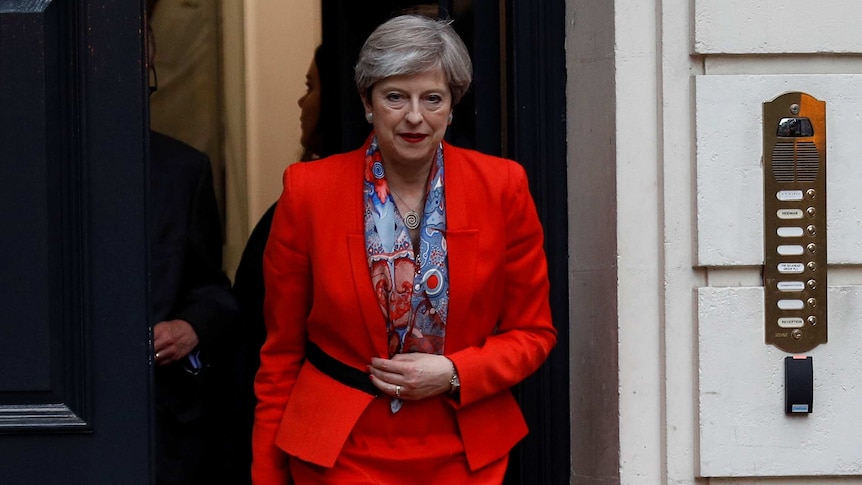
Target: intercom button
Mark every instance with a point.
(790, 250)
(791, 304)
(789, 231)
(791, 322)
(789, 213)
(791, 268)
(789, 195)
(791, 286)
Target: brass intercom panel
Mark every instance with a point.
(794, 183)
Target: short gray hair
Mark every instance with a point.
(413, 44)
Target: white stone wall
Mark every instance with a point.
(743, 431)
(700, 393)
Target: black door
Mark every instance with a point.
(74, 337)
(516, 109)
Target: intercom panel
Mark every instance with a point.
(794, 180)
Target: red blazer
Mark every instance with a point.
(318, 287)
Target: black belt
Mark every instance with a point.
(341, 372)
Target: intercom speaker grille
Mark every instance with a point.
(795, 161)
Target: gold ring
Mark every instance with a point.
(397, 391)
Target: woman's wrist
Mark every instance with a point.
(454, 380)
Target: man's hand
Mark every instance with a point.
(173, 340)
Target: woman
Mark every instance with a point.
(411, 302)
(316, 116)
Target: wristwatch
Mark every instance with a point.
(454, 383)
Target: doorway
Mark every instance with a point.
(515, 109)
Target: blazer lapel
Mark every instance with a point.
(354, 207)
(368, 305)
(461, 240)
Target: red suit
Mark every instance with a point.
(319, 288)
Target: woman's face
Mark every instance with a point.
(309, 104)
(411, 113)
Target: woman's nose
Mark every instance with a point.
(414, 113)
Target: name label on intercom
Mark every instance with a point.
(794, 192)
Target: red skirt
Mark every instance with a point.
(420, 444)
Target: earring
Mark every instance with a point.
(450, 117)
(369, 117)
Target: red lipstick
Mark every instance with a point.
(413, 137)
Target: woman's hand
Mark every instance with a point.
(412, 376)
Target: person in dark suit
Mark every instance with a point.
(192, 310)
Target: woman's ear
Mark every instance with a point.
(369, 114)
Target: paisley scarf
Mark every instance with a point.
(412, 287)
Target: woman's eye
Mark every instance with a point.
(394, 97)
(435, 98)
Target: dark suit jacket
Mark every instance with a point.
(318, 288)
(186, 282)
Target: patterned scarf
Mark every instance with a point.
(412, 288)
